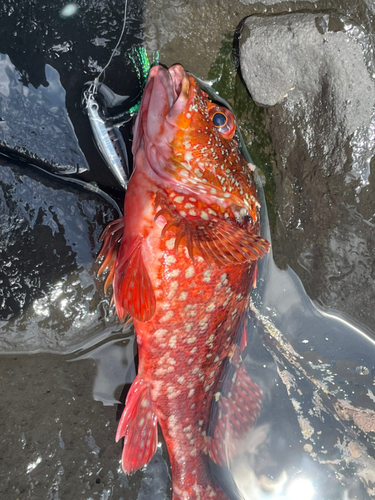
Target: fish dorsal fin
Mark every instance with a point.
(133, 291)
(215, 239)
(234, 411)
(138, 427)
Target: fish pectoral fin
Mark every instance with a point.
(138, 427)
(133, 291)
(234, 411)
(215, 239)
(224, 243)
(111, 237)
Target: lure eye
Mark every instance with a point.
(222, 119)
(94, 106)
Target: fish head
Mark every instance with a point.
(189, 142)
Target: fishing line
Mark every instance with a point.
(96, 81)
(86, 185)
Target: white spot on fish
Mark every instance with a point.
(207, 276)
(174, 273)
(189, 273)
(167, 316)
(210, 340)
(172, 341)
(172, 290)
(191, 340)
(170, 243)
(189, 205)
(160, 333)
(183, 296)
(182, 213)
(203, 323)
(191, 392)
(210, 307)
(179, 199)
(192, 212)
(170, 259)
(195, 371)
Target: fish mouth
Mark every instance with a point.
(177, 74)
(165, 97)
(170, 89)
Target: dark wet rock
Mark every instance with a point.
(315, 75)
(49, 240)
(34, 123)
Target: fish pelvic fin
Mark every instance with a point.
(216, 240)
(111, 237)
(234, 411)
(138, 427)
(133, 291)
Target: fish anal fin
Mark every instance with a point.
(138, 427)
(133, 291)
(234, 411)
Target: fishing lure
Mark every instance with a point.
(108, 139)
(106, 131)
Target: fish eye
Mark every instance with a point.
(222, 119)
(219, 119)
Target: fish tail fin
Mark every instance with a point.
(138, 427)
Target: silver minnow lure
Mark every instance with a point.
(109, 141)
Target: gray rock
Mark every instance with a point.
(291, 56)
(315, 75)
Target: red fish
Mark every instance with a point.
(182, 262)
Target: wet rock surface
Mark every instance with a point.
(57, 442)
(314, 73)
(49, 230)
(34, 124)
